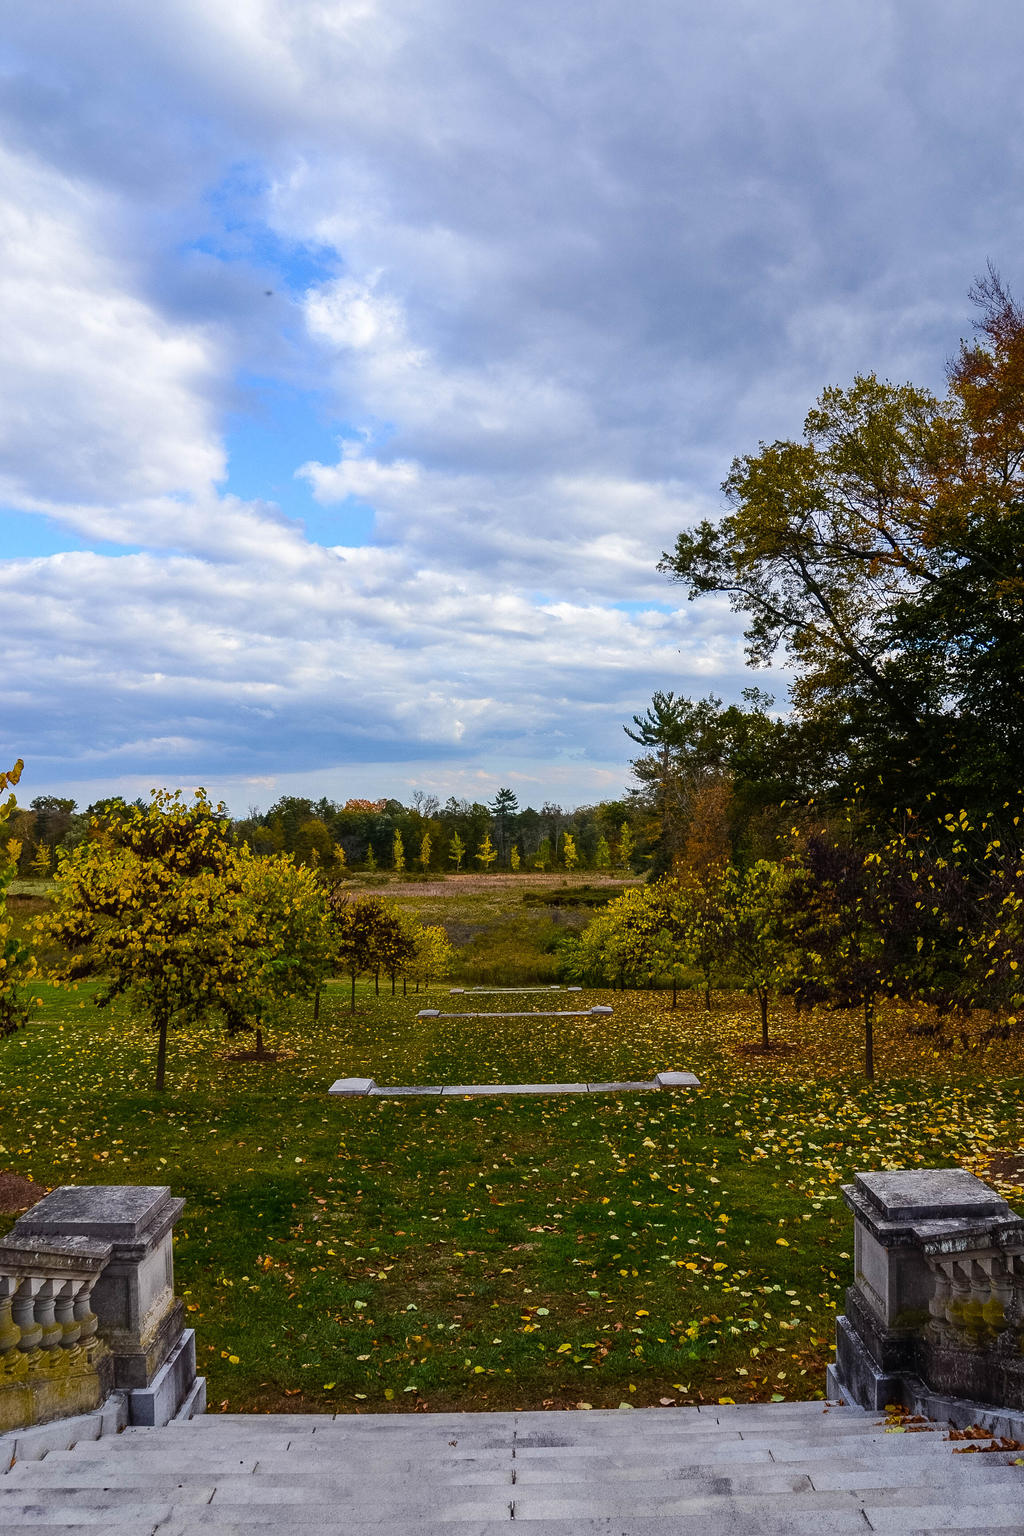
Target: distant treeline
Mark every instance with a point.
(367, 835)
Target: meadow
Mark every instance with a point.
(546, 1252)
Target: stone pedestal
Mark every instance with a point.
(904, 1330)
(140, 1318)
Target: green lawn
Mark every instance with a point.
(511, 1252)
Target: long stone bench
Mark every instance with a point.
(366, 1087)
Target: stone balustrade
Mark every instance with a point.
(935, 1316)
(52, 1361)
(87, 1308)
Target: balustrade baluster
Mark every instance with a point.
(23, 1310)
(977, 1280)
(84, 1315)
(938, 1304)
(1001, 1290)
(9, 1333)
(46, 1301)
(64, 1314)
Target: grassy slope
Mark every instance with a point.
(487, 1253)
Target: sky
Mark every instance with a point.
(361, 358)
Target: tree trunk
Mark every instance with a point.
(675, 990)
(392, 983)
(405, 986)
(707, 994)
(762, 997)
(259, 1041)
(869, 1038)
(161, 1052)
(376, 982)
(316, 1005)
(353, 991)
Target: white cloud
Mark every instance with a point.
(100, 397)
(568, 261)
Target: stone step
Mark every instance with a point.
(598, 1496)
(839, 1476)
(722, 1520)
(725, 1415)
(809, 1512)
(726, 1521)
(384, 1423)
(242, 1455)
(551, 1461)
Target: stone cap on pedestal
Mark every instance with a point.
(928, 1194)
(128, 1216)
(918, 1205)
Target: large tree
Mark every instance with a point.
(884, 554)
(141, 906)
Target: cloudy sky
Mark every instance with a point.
(362, 356)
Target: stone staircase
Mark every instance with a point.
(790, 1468)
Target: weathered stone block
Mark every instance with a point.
(351, 1087)
(158, 1403)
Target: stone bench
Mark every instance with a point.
(602, 1010)
(366, 1087)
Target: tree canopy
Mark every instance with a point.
(884, 555)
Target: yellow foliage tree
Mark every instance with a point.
(17, 965)
(277, 945)
(141, 905)
(434, 954)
